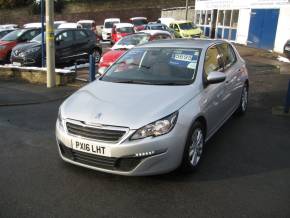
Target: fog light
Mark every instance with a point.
(144, 154)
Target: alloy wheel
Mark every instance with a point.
(196, 147)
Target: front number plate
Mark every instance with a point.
(90, 147)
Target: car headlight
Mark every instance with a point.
(185, 35)
(2, 47)
(157, 128)
(31, 50)
(59, 119)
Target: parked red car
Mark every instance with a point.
(120, 30)
(9, 41)
(129, 42)
(139, 23)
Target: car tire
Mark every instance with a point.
(243, 106)
(194, 147)
(7, 61)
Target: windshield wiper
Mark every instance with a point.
(173, 83)
(134, 82)
(133, 64)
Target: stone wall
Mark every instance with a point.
(36, 76)
(97, 11)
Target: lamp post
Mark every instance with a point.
(186, 9)
(50, 45)
(42, 33)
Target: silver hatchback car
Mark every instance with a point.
(154, 108)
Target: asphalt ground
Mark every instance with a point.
(245, 171)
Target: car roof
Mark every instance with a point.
(138, 18)
(156, 24)
(68, 25)
(86, 21)
(32, 25)
(153, 32)
(182, 21)
(112, 20)
(183, 43)
(120, 25)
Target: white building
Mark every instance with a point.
(256, 23)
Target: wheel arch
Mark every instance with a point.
(203, 122)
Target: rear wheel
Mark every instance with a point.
(193, 148)
(244, 101)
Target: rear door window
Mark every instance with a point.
(81, 35)
(66, 36)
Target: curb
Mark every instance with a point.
(32, 102)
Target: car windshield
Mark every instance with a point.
(155, 66)
(110, 24)
(139, 22)
(134, 40)
(37, 38)
(13, 35)
(125, 30)
(87, 25)
(186, 26)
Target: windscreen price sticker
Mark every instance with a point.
(183, 57)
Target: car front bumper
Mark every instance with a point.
(25, 60)
(149, 156)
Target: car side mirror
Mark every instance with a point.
(215, 77)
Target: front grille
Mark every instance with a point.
(108, 135)
(109, 163)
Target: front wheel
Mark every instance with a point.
(193, 148)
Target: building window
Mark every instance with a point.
(203, 13)
(228, 15)
(208, 18)
(197, 18)
(221, 18)
(235, 18)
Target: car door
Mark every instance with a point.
(82, 44)
(64, 46)
(214, 95)
(233, 70)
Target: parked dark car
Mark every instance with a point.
(9, 41)
(287, 49)
(4, 32)
(71, 45)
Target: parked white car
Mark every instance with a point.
(9, 26)
(107, 28)
(166, 20)
(70, 26)
(32, 25)
(57, 23)
(88, 24)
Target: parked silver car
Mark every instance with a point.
(154, 108)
